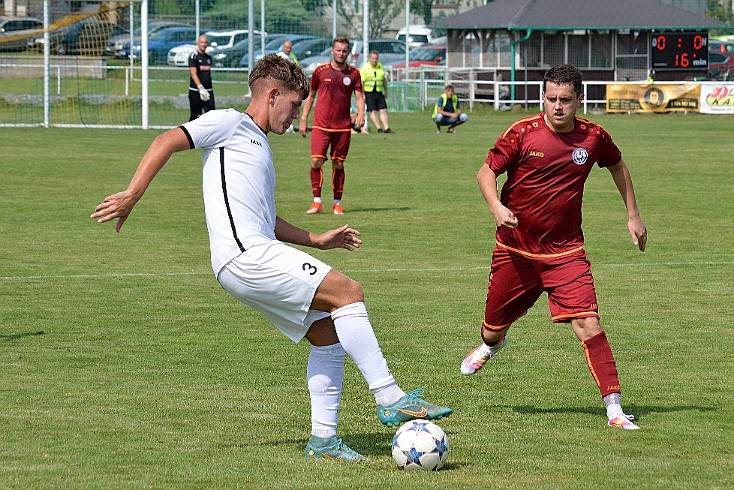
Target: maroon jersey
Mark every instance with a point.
(335, 88)
(546, 172)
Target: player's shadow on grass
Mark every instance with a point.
(637, 410)
(18, 336)
(369, 444)
(370, 210)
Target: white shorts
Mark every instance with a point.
(280, 282)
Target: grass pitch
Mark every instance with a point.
(124, 365)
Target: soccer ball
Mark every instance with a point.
(420, 445)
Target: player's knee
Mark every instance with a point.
(352, 291)
(317, 162)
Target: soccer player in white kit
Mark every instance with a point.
(301, 295)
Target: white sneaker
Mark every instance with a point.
(474, 360)
(622, 421)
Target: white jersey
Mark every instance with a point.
(238, 184)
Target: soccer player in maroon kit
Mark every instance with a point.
(539, 242)
(332, 125)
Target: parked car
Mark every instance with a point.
(179, 55)
(425, 56)
(275, 45)
(310, 47)
(308, 65)
(721, 46)
(417, 36)
(721, 65)
(160, 43)
(115, 43)
(85, 37)
(231, 57)
(390, 50)
(15, 31)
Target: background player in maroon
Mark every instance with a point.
(539, 242)
(332, 125)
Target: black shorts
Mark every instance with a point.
(375, 101)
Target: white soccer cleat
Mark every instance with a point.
(474, 360)
(623, 421)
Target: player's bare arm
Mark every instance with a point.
(342, 237)
(359, 96)
(305, 111)
(635, 225)
(487, 180)
(194, 76)
(120, 205)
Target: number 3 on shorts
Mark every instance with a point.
(309, 268)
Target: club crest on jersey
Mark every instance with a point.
(347, 81)
(580, 156)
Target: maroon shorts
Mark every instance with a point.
(516, 282)
(338, 140)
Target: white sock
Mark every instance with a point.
(317, 199)
(337, 201)
(358, 339)
(614, 405)
(325, 374)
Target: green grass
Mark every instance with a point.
(124, 365)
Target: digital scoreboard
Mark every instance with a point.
(679, 50)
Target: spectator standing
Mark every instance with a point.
(286, 52)
(447, 112)
(334, 82)
(374, 85)
(539, 241)
(201, 92)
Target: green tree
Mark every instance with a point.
(719, 11)
(422, 8)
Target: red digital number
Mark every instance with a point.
(697, 42)
(682, 60)
(661, 43)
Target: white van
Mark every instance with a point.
(419, 35)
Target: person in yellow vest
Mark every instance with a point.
(447, 112)
(374, 84)
(286, 52)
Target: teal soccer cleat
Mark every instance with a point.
(411, 406)
(331, 448)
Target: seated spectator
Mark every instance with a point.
(447, 111)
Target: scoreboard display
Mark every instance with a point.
(679, 50)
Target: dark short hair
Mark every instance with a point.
(340, 40)
(449, 86)
(273, 67)
(564, 74)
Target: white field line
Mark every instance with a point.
(595, 265)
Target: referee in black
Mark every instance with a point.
(201, 93)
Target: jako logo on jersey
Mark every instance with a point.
(580, 156)
(256, 142)
(537, 154)
(347, 81)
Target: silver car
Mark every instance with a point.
(15, 32)
(389, 49)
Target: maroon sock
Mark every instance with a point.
(601, 363)
(317, 179)
(337, 181)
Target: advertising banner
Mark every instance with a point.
(653, 97)
(717, 97)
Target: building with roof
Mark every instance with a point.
(608, 40)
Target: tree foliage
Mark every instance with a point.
(422, 8)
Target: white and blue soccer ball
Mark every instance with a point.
(420, 445)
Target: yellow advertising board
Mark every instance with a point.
(653, 97)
